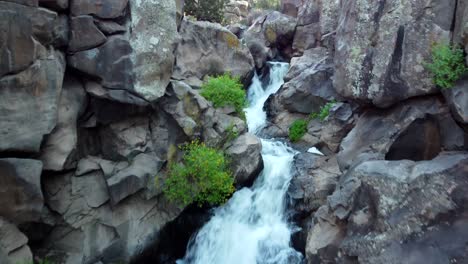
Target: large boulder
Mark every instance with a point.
(416, 130)
(270, 37)
(457, 99)
(84, 34)
(246, 159)
(317, 21)
(380, 58)
(59, 149)
(207, 49)
(20, 190)
(395, 212)
(13, 244)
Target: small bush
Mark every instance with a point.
(324, 111)
(225, 91)
(202, 177)
(448, 65)
(208, 10)
(297, 130)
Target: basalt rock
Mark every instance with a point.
(13, 244)
(84, 34)
(247, 162)
(457, 99)
(106, 9)
(381, 48)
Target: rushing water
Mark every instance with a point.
(252, 226)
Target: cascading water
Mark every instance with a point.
(252, 227)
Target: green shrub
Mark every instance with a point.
(448, 65)
(324, 111)
(208, 10)
(225, 90)
(202, 177)
(297, 130)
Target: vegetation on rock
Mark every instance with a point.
(447, 66)
(298, 129)
(267, 4)
(225, 90)
(208, 10)
(324, 111)
(202, 177)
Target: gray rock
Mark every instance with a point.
(84, 34)
(209, 49)
(58, 5)
(390, 211)
(110, 27)
(122, 96)
(59, 149)
(29, 102)
(290, 7)
(106, 9)
(13, 244)
(380, 58)
(457, 99)
(246, 159)
(33, 3)
(409, 131)
(20, 191)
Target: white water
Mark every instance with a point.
(252, 227)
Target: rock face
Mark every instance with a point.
(236, 11)
(290, 7)
(380, 57)
(13, 244)
(457, 99)
(391, 211)
(208, 49)
(106, 9)
(415, 131)
(270, 37)
(84, 34)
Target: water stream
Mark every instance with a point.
(252, 226)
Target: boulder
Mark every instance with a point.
(457, 99)
(84, 34)
(395, 212)
(246, 159)
(110, 27)
(20, 190)
(29, 102)
(380, 58)
(235, 11)
(13, 244)
(207, 49)
(414, 130)
(317, 21)
(59, 149)
(107, 9)
(270, 37)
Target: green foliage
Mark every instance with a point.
(267, 4)
(202, 177)
(324, 111)
(225, 90)
(297, 130)
(448, 65)
(231, 133)
(208, 10)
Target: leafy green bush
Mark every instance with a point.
(225, 90)
(208, 10)
(324, 111)
(203, 177)
(448, 65)
(298, 129)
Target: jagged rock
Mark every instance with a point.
(380, 57)
(106, 9)
(317, 21)
(457, 99)
(110, 27)
(106, 233)
(246, 159)
(20, 192)
(235, 11)
(209, 49)
(315, 178)
(270, 37)
(391, 211)
(133, 178)
(84, 34)
(58, 5)
(122, 96)
(308, 85)
(13, 244)
(59, 148)
(29, 102)
(412, 131)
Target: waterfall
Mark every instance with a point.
(252, 226)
